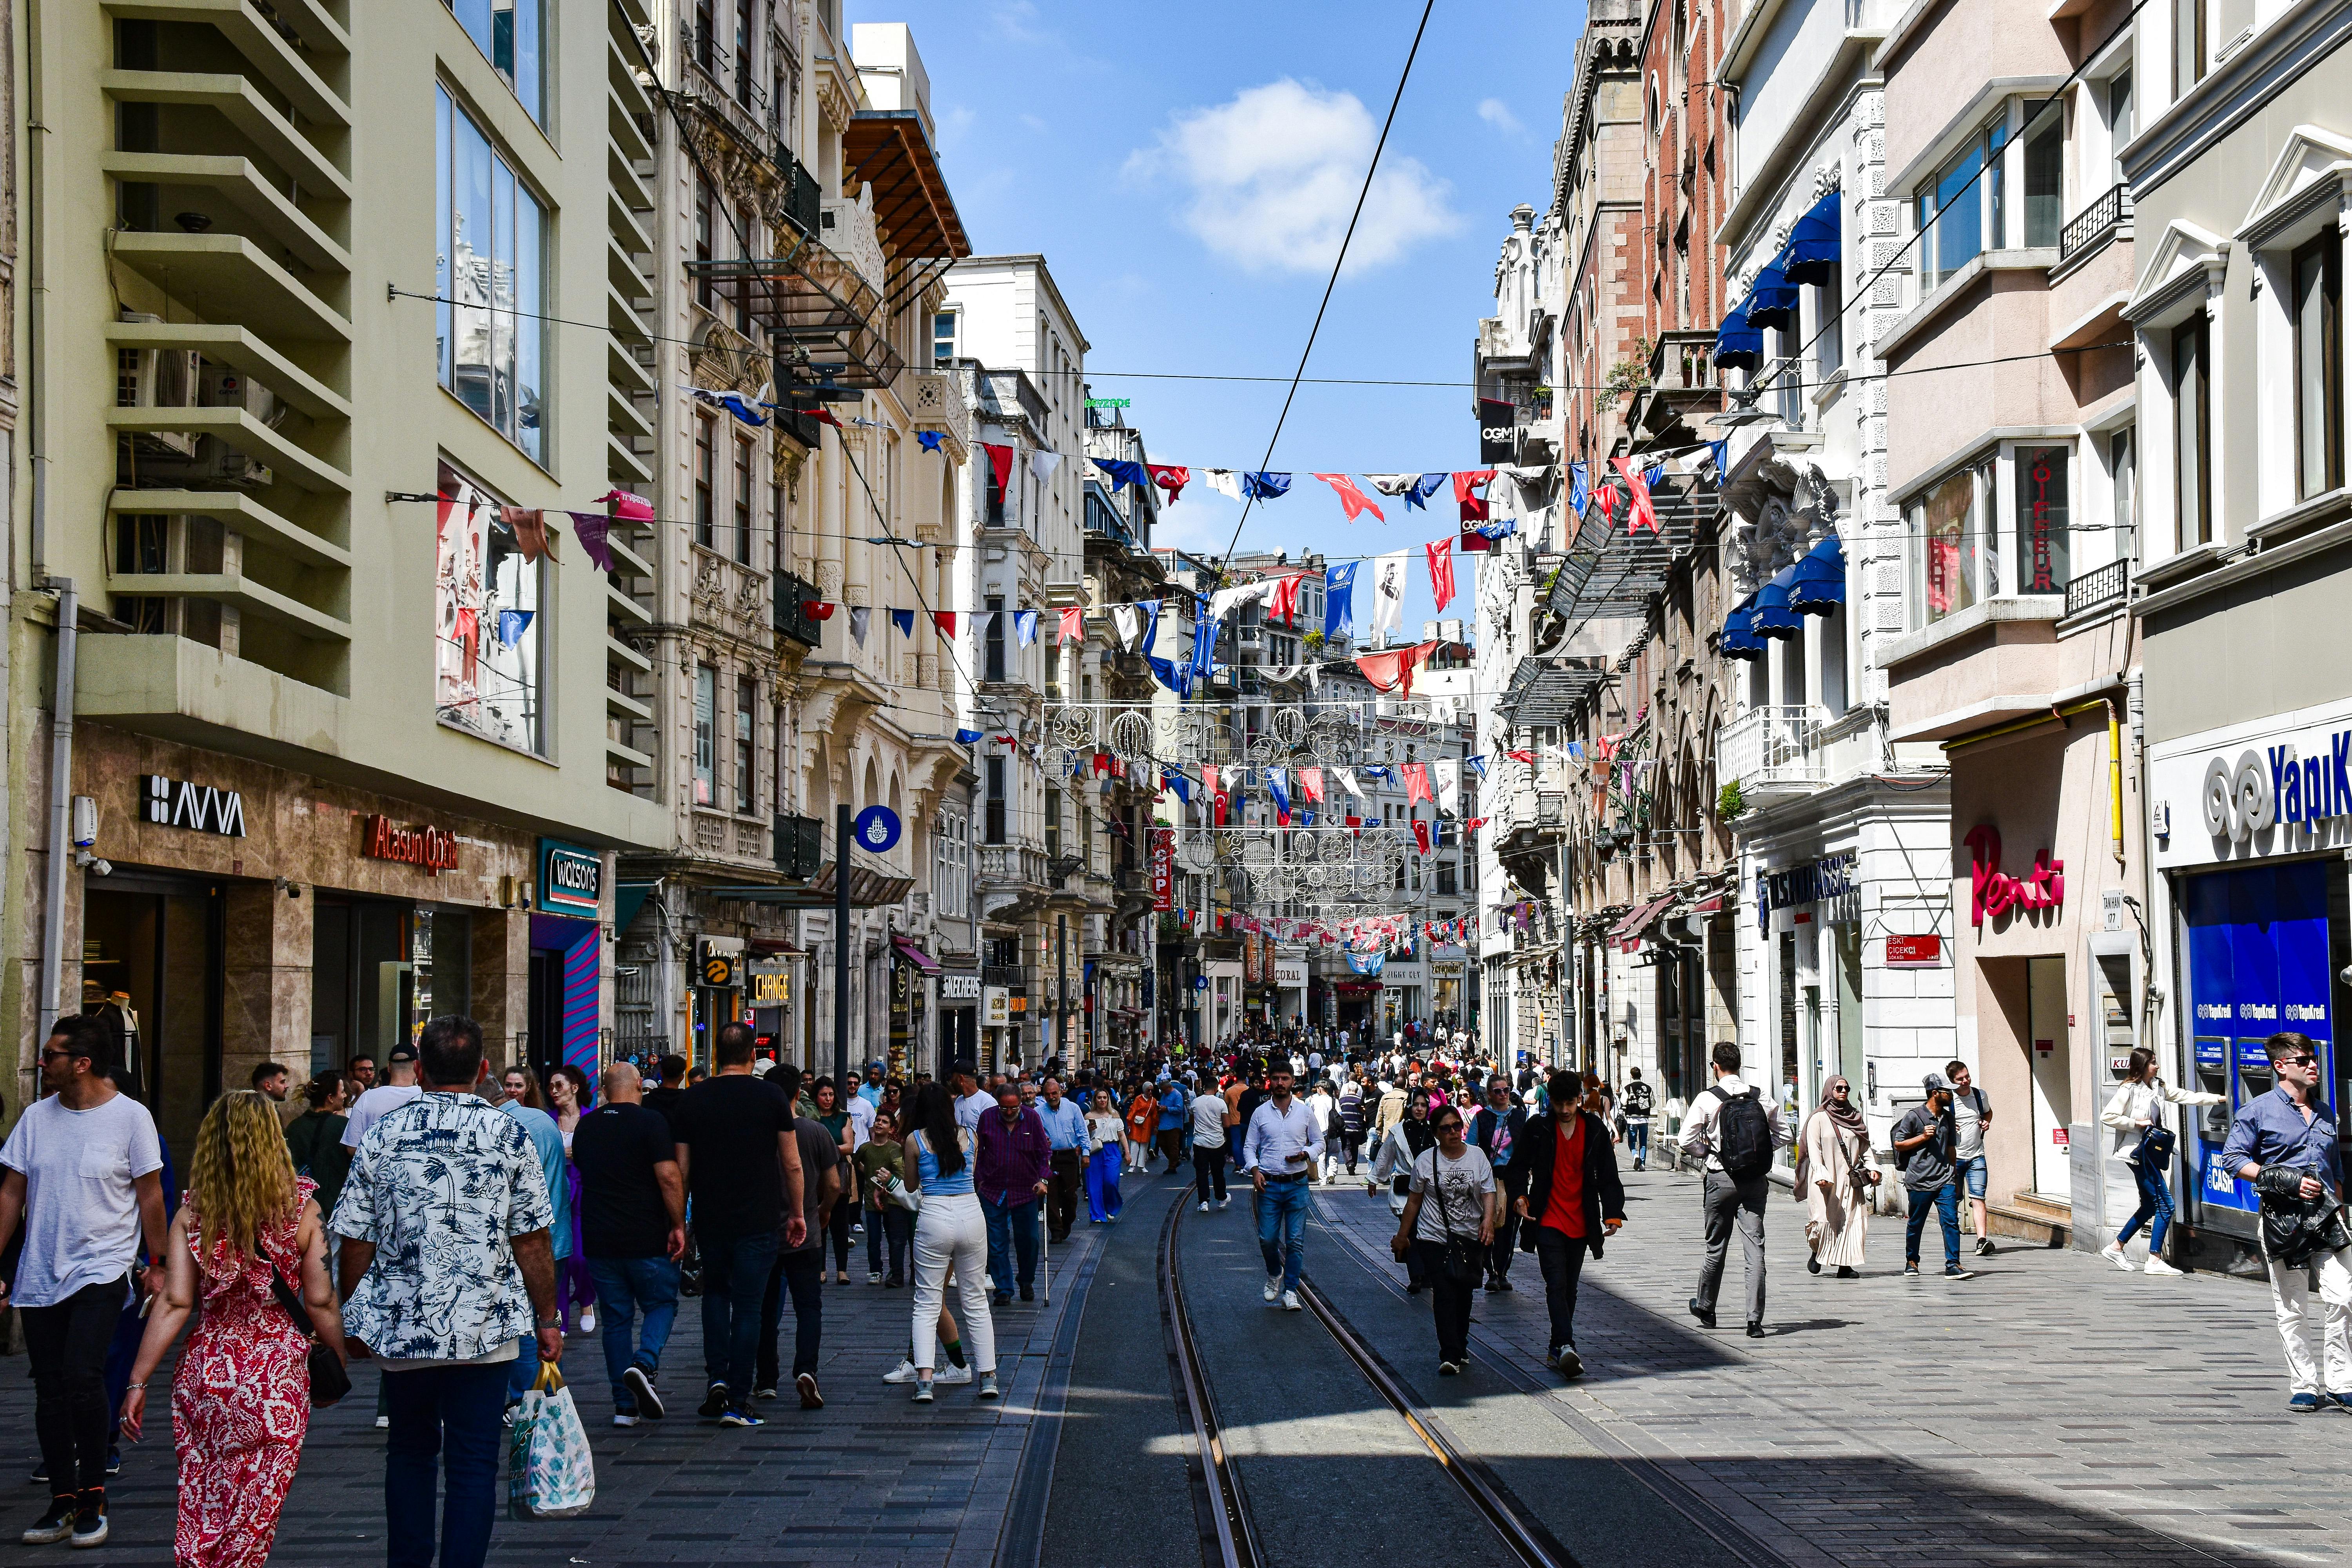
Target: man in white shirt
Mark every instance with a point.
(1284, 1146)
(398, 1087)
(1732, 1119)
(972, 1100)
(1207, 1113)
(1972, 1118)
(1320, 1105)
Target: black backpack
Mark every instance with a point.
(1743, 1135)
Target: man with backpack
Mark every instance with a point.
(1637, 1102)
(1924, 1139)
(1737, 1132)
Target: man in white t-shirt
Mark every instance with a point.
(972, 1100)
(398, 1087)
(82, 1170)
(1971, 1115)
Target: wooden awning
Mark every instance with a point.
(887, 148)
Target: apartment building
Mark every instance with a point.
(336, 734)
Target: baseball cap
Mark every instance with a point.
(401, 1054)
(1935, 1084)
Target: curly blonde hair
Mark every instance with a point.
(242, 1179)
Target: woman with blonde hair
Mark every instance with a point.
(241, 1395)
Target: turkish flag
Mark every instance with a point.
(1421, 833)
(1354, 501)
(1284, 605)
(1310, 784)
(1466, 486)
(1169, 478)
(1074, 626)
(1416, 783)
(1642, 513)
(1441, 570)
(946, 621)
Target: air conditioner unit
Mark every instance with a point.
(225, 386)
(214, 464)
(157, 378)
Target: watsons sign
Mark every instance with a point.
(571, 879)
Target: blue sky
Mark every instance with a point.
(1187, 170)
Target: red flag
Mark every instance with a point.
(1416, 784)
(1102, 762)
(1393, 671)
(1441, 570)
(1466, 486)
(1311, 784)
(1006, 740)
(1643, 514)
(822, 414)
(1421, 833)
(1284, 605)
(623, 504)
(1354, 501)
(1527, 757)
(1000, 462)
(1474, 824)
(1074, 626)
(1605, 497)
(1169, 478)
(945, 620)
(816, 609)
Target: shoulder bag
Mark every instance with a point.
(1464, 1260)
(2156, 1141)
(330, 1381)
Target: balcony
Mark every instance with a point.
(1773, 752)
(1683, 361)
(2095, 223)
(800, 845)
(2098, 587)
(935, 398)
(793, 594)
(730, 598)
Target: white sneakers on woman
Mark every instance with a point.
(2158, 1266)
(2154, 1265)
(2113, 1254)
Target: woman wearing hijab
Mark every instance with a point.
(1835, 1173)
(1406, 1143)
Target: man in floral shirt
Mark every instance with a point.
(446, 1266)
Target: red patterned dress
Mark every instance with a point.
(241, 1401)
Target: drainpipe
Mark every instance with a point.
(2115, 776)
(61, 736)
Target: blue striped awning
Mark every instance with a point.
(1817, 583)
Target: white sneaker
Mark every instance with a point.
(1204, 1207)
(1274, 1286)
(953, 1374)
(620, 1419)
(903, 1373)
(587, 1322)
(1223, 1202)
(2158, 1266)
(1290, 1300)
(2114, 1253)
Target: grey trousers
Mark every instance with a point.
(1727, 1203)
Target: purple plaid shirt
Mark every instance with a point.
(1011, 1159)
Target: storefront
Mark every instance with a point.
(960, 993)
(913, 972)
(2251, 828)
(768, 984)
(720, 975)
(245, 912)
(1290, 986)
(1224, 977)
(1446, 966)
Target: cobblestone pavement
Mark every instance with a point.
(2049, 1409)
(869, 1482)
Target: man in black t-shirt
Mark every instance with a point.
(801, 1269)
(665, 1096)
(631, 1233)
(742, 1161)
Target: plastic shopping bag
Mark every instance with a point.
(550, 1474)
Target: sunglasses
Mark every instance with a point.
(2301, 1061)
(1451, 1124)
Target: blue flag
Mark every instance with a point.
(1265, 487)
(1182, 785)
(905, 621)
(931, 438)
(1122, 473)
(1204, 639)
(1274, 786)
(1479, 764)
(512, 624)
(1150, 608)
(1422, 489)
(1653, 474)
(1716, 450)
(966, 737)
(1339, 601)
(1578, 490)
(1025, 625)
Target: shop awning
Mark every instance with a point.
(923, 961)
(1812, 254)
(1737, 346)
(628, 898)
(1817, 583)
(1771, 616)
(1706, 906)
(1772, 300)
(1639, 920)
(1739, 639)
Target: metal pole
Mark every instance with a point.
(840, 944)
(61, 739)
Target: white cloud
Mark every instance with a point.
(1497, 113)
(1274, 175)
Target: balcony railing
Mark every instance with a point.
(1773, 749)
(800, 845)
(2094, 223)
(2099, 586)
(793, 594)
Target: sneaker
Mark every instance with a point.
(89, 1519)
(1449, 1369)
(1570, 1364)
(767, 1393)
(2113, 1254)
(874, 1277)
(1910, 1271)
(2339, 1401)
(1954, 1271)
(640, 1381)
(1204, 1205)
(1274, 1286)
(382, 1422)
(1223, 1202)
(1290, 1300)
(922, 1393)
(507, 1417)
(741, 1415)
(2158, 1266)
(623, 1418)
(714, 1403)
(857, 1227)
(59, 1522)
(587, 1322)
(810, 1398)
(2301, 1404)
(987, 1389)
(903, 1373)
(40, 1476)
(954, 1376)
(1984, 1247)
(113, 1460)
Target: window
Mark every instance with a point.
(485, 616)
(747, 705)
(1829, 341)
(706, 733)
(1960, 211)
(705, 35)
(509, 34)
(746, 90)
(2316, 303)
(2120, 123)
(705, 290)
(741, 543)
(2187, 45)
(706, 523)
(950, 880)
(2192, 436)
(2123, 471)
(995, 618)
(995, 805)
(491, 232)
(995, 496)
(1944, 525)
(2046, 174)
(1054, 822)
(2042, 519)
(944, 337)
(1830, 631)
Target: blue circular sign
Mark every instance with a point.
(1200, 982)
(876, 828)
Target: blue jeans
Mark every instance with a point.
(1012, 1233)
(1282, 1227)
(1637, 1142)
(2155, 1209)
(734, 1279)
(452, 1413)
(1946, 1203)
(524, 1371)
(625, 1286)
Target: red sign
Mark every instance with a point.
(427, 846)
(1163, 869)
(1915, 952)
(1993, 893)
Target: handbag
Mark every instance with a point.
(1463, 1262)
(330, 1379)
(2156, 1141)
(551, 1471)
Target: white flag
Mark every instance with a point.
(1388, 591)
(1129, 620)
(1043, 463)
(1346, 777)
(1448, 776)
(1224, 481)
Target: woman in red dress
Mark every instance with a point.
(241, 1393)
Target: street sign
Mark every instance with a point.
(878, 829)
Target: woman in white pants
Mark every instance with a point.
(951, 1235)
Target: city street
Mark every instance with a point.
(2049, 1409)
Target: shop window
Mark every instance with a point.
(511, 33)
(706, 739)
(2043, 520)
(2192, 435)
(2316, 303)
(1952, 563)
(487, 581)
(490, 233)
(747, 706)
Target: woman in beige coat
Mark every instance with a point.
(1835, 1173)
